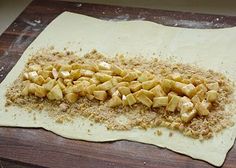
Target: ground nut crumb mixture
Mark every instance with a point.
(127, 117)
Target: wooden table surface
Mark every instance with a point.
(21, 147)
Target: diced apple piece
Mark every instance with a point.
(212, 95)
(32, 88)
(131, 99)
(135, 86)
(124, 90)
(176, 76)
(81, 87)
(32, 75)
(57, 66)
(82, 79)
(213, 86)
(173, 103)
(108, 72)
(104, 65)
(90, 97)
(116, 93)
(66, 68)
(54, 73)
(112, 91)
(124, 100)
(25, 91)
(147, 93)
(48, 68)
(189, 90)
(68, 82)
(160, 101)
(45, 74)
(100, 95)
(167, 85)
(103, 77)
(49, 85)
(86, 73)
(39, 80)
(145, 77)
(158, 91)
(122, 84)
(178, 87)
(149, 84)
(195, 99)
(69, 89)
(55, 93)
(144, 100)
(61, 84)
(201, 95)
(201, 87)
(72, 97)
(64, 74)
(25, 76)
(171, 94)
(115, 101)
(185, 104)
(124, 73)
(188, 116)
(75, 74)
(91, 89)
(94, 80)
(105, 86)
(40, 91)
(202, 109)
(130, 76)
(75, 66)
(116, 69)
(92, 67)
(35, 67)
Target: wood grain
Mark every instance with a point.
(43, 148)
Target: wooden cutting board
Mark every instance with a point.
(43, 148)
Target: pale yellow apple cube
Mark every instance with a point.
(115, 101)
(135, 86)
(178, 87)
(131, 99)
(212, 95)
(173, 103)
(130, 76)
(124, 90)
(149, 84)
(158, 91)
(167, 85)
(35, 67)
(86, 73)
(188, 116)
(39, 80)
(213, 86)
(144, 100)
(104, 65)
(202, 109)
(103, 77)
(189, 90)
(50, 84)
(160, 101)
(100, 95)
(91, 89)
(195, 99)
(116, 69)
(94, 80)
(105, 86)
(176, 76)
(122, 84)
(75, 74)
(55, 93)
(145, 76)
(40, 91)
(75, 66)
(61, 84)
(66, 67)
(72, 97)
(32, 75)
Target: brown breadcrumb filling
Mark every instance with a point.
(137, 116)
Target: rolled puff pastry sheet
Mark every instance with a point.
(209, 48)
